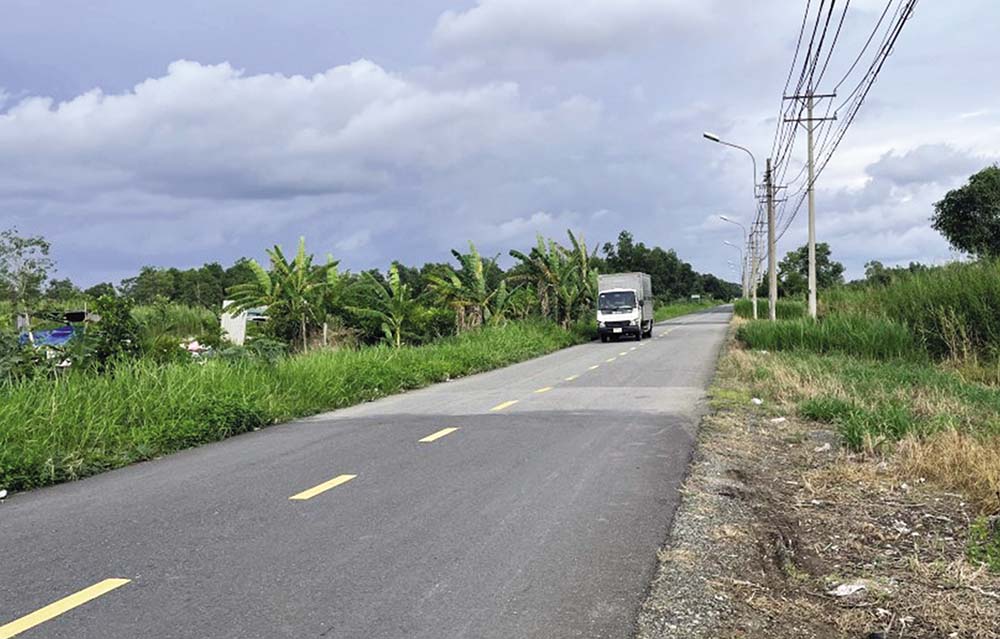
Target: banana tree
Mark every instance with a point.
(394, 306)
(466, 290)
(293, 290)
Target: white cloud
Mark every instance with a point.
(210, 131)
(567, 28)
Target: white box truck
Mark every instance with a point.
(624, 306)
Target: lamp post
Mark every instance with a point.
(712, 137)
(745, 271)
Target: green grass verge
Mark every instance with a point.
(871, 401)
(84, 424)
(676, 309)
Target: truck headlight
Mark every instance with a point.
(600, 324)
(635, 322)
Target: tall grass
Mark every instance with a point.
(84, 424)
(874, 338)
(953, 310)
(783, 309)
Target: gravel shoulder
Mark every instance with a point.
(778, 524)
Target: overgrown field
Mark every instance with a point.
(84, 424)
(912, 366)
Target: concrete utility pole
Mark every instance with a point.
(755, 268)
(772, 265)
(808, 99)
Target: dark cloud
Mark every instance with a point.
(401, 130)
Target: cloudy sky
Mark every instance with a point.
(171, 134)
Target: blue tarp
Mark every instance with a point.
(54, 337)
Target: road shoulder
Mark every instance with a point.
(777, 523)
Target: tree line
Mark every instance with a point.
(553, 279)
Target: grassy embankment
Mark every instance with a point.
(676, 309)
(84, 424)
(911, 368)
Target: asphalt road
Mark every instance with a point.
(540, 518)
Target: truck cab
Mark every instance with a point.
(624, 306)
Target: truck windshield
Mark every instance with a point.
(616, 301)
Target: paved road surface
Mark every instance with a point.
(540, 518)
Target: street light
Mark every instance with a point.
(714, 138)
(752, 280)
(746, 272)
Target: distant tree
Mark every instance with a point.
(62, 290)
(969, 216)
(876, 273)
(99, 290)
(719, 289)
(24, 267)
(671, 277)
(793, 271)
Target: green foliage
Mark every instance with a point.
(393, 306)
(563, 279)
(24, 267)
(114, 339)
(969, 216)
(293, 292)
(784, 309)
(793, 271)
(983, 545)
(58, 430)
(468, 291)
(872, 337)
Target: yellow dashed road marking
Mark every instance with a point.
(593, 367)
(322, 488)
(57, 608)
(544, 390)
(610, 359)
(571, 378)
(504, 405)
(438, 435)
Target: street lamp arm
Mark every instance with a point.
(752, 159)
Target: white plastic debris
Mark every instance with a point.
(757, 401)
(3, 494)
(778, 420)
(822, 449)
(846, 590)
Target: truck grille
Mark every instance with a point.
(621, 324)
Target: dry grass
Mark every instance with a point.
(958, 461)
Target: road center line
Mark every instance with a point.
(632, 349)
(438, 435)
(57, 608)
(322, 488)
(544, 390)
(504, 405)
(610, 359)
(571, 378)
(623, 354)
(593, 367)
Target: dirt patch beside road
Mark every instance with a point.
(782, 533)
